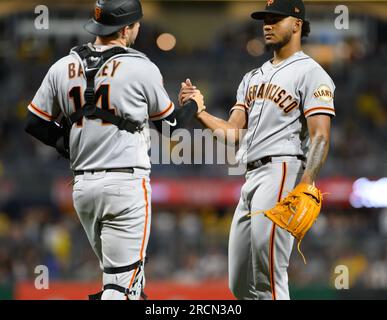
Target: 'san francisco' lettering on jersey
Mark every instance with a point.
(277, 100)
(272, 92)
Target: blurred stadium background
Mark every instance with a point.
(214, 43)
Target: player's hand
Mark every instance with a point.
(187, 91)
(199, 99)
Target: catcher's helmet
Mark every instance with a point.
(111, 15)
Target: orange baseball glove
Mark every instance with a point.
(298, 211)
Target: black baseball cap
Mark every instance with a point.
(294, 8)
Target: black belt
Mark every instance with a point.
(125, 170)
(265, 160)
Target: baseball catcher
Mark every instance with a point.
(94, 106)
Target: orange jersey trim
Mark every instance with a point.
(146, 218)
(284, 169)
(319, 108)
(41, 112)
(242, 105)
(170, 106)
(238, 108)
(145, 230)
(272, 237)
(271, 263)
(132, 279)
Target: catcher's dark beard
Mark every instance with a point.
(278, 45)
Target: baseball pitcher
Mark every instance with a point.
(103, 94)
(286, 106)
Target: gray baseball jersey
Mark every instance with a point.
(278, 99)
(129, 85)
(113, 207)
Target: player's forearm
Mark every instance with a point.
(317, 155)
(45, 131)
(225, 130)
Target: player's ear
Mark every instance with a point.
(124, 31)
(297, 25)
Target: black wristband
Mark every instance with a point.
(180, 118)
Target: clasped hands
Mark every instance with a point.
(189, 91)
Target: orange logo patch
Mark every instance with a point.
(324, 93)
(97, 13)
(269, 2)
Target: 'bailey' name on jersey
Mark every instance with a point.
(128, 85)
(76, 70)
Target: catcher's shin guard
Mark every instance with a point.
(135, 291)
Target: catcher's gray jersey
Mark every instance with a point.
(128, 85)
(278, 99)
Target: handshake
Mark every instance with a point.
(189, 92)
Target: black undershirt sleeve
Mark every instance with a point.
(178, 119)
(47, 132)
